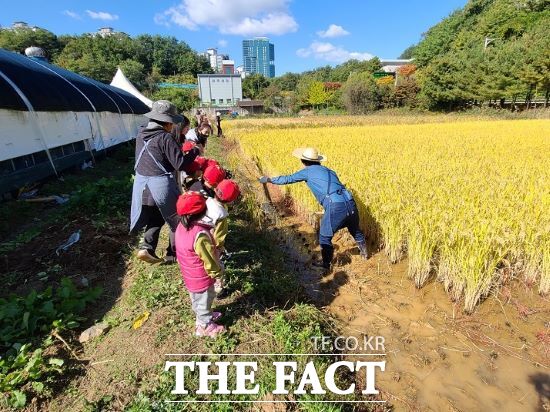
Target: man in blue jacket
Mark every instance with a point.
(340, 208)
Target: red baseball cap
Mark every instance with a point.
(202, 161)
(190, 203)
(211, 162)
(213, 175)
(188, 145)
(192, 167)
(227, 191)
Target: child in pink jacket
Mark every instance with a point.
(199, 261)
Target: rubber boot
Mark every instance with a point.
(363, 250)
(326, 255)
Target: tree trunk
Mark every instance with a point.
(546, 98)
(528, 98)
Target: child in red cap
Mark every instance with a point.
(211, 177)
(190, 175)
(205, 162)
(216, 216)
(199, 262)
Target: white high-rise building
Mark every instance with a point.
(215, 59)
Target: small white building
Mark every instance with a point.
(221, 90)
(392, 65)
(21, 25)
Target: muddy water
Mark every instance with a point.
(438, 358)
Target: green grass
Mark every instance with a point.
(28, 326)
(31, 354)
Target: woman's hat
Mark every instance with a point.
(227, 191)
(309, 153)
(164, 111)
(190, 203)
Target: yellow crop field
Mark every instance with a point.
(465, 201)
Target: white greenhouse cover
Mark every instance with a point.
(122, 82)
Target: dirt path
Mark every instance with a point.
(438, 358)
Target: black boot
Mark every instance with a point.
(326, 254)
(363, 250)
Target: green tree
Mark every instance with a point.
(96, 57)
(272, 97)
(18, 40)
(360, 93)
(408, 53)
(99, 57)
(287, 81)
(253, 85)
(317, 95)
(169, 55)
(184, 99)
(490, 51)
(135, 72)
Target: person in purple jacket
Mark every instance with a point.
(340, 208)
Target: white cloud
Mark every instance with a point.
(331, 53)
(333, 31)
(101, 15)
(238, 17)
(222, 43)
(72, 14)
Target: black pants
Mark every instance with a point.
(155, 221)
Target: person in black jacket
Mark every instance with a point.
(219, 124)
(158, 157)
(153, 216)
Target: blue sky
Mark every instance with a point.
(306, 34)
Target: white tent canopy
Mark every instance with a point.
(122, 82)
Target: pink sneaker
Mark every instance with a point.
(211, 330)
(215, 317)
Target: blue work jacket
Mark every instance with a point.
(322, 181)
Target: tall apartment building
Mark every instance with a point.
(259, 56)
(216, 60)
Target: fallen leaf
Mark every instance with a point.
(140, 320)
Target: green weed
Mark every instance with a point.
(20, 240)
(27, 325)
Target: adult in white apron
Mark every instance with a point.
(158, 157)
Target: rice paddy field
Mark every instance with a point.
(466, 200)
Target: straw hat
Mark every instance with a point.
(309, 153)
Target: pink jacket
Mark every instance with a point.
(195, 277)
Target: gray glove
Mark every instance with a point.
(264, 179)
